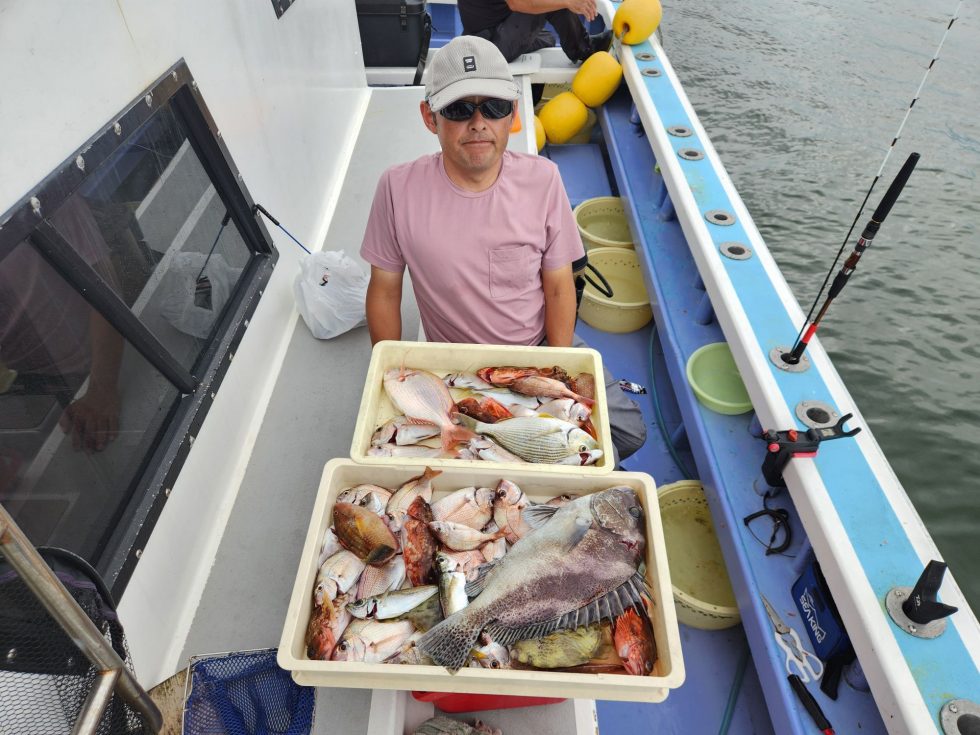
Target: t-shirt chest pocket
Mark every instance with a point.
(511, 270)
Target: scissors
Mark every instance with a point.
(796, 654)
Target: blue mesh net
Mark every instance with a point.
(246, 694)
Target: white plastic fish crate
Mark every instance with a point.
(442, 358)
(668, 672)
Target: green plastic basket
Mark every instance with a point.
(715, 379)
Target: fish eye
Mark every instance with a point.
(583, 448)
(635, 512)
(342, 645)
(494, 664)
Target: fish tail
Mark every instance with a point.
(449, 642)
(453, 435)
(589, 428)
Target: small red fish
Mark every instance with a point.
(539, 386)
(505, 375)
(583, 384)
(327, 622)
(487, 410)
(420, 545)
(633, 638)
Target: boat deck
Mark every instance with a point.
(245, 600)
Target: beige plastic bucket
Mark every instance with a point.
(602, 223)
(703, 595)
(629, 308)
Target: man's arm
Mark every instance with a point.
(384, 305)
(537, 7)
(93, 420)
(559, 306)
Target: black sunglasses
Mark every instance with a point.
(491, 109)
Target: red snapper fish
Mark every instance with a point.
(421, 395)
(536, 385)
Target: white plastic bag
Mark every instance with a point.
(178, 286)
(330, 289)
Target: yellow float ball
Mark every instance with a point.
(637, 19)
(562, 117)
(539, 133)
(597, 79)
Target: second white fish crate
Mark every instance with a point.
(668, 667)
(442, 359)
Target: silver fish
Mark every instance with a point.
(508, 398)
(403, 430)
(421, 395)
(576, 569)
(370, 641)
(466, 380)
(392, 604)
(337, 575)
(536, 439)
(452, 586)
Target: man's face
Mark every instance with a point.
(474, 146)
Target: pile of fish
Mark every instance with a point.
(483, 577)
(442, 725)
(500, 414)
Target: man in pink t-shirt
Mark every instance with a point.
(487, 234)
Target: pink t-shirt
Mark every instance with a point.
(475, 257)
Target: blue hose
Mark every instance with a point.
(660, 418)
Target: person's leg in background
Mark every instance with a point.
(520, 33)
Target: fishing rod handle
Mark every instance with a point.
(895, 189)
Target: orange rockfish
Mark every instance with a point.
(421, 395)
(633, 638)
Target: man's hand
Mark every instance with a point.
(583, 7)
(92, 420)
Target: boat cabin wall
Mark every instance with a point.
(288, 95)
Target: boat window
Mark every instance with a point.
(126, 280)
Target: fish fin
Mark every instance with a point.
(475, 587)
(537, 515)
(448, 643)
(380, 555)
(453, 435)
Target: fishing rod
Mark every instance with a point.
(810, 325)
(863, 243)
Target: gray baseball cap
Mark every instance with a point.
(469, 66)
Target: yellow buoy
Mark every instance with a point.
(539, 133)
(563, 117)
(638, 19)
(597, 79)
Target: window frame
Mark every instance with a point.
(143, 501)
